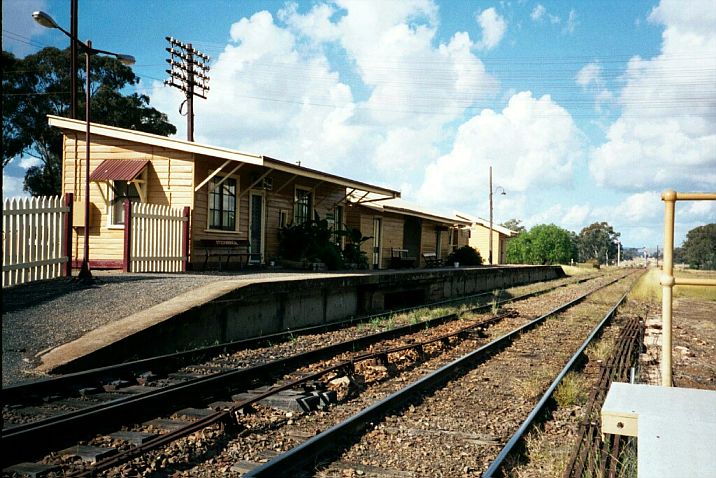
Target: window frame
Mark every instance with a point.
(237, 196)
(140, 185)
(311, 199)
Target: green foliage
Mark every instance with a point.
(39, 84)
(514, 225)
(352, 251)
(314, 240)
(543, 244)
(311, 240)
(596, 241)
(466, 256)
(699, 248)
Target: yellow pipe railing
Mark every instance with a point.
(668, 281)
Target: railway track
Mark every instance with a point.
(412, 431)
(28, 440)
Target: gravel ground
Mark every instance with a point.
(45, 314)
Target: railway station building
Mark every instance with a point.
(233, 197)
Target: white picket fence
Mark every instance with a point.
(156, 238)
(33, 239)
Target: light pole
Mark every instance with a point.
(47, 21)
(489, 256)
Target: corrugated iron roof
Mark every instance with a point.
(118, 170)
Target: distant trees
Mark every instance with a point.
(39, 84)
(543, 244)
(597, 241)
(514, 225)
(699, 248)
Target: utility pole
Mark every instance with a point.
(73, 59)
(189, 73)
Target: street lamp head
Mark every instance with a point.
(44, 19)
(126, 59)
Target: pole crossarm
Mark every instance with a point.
(188, 73)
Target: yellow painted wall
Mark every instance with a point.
(479, 239)
(169, 182)
(392, 237)
(171, 178)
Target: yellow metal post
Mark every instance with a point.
(667, 277)
(667, 283)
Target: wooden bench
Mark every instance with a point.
(431, 259)
(228, 248)
(399, 258)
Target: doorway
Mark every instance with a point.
(377, 239)
(256, 227)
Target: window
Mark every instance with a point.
(222, 203)
(282, 218)
(454, 237)
(302, 206)
(121, 190)
(338, 226)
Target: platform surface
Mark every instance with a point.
(675, 428)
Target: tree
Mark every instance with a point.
(39, 84)
(514, 225)
(543, 244)
(597, 241)
(699, 248)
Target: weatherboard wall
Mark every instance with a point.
(169, 182)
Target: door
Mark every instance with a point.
(377, 239)
(256, 227)
(412, 230)
(438, 243)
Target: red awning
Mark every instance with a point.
(118, 170)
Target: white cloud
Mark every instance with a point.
(493, 28)
(12, 186)
(536, 137)
(590, 73)
(590, 77)
(538, 12)
(641, 207)
(275, 93)
(315, 25)
(26, 162)
(666, 135)
(572, 22)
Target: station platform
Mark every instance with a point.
(246, 306)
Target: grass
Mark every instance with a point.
(576, 271)
(600, 350)
(648, 287)
(572, 390)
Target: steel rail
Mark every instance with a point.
(14, 393)
(17, 393)
(339, 436)
(223, 416)
(588, 439)
(25, 441)
(495, 466)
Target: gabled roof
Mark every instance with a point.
(399, 206)
(478, 220)
(218, 152)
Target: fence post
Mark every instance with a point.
(67, 233)
(185, 239)
(127, 236)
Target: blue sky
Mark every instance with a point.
(585, 110)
